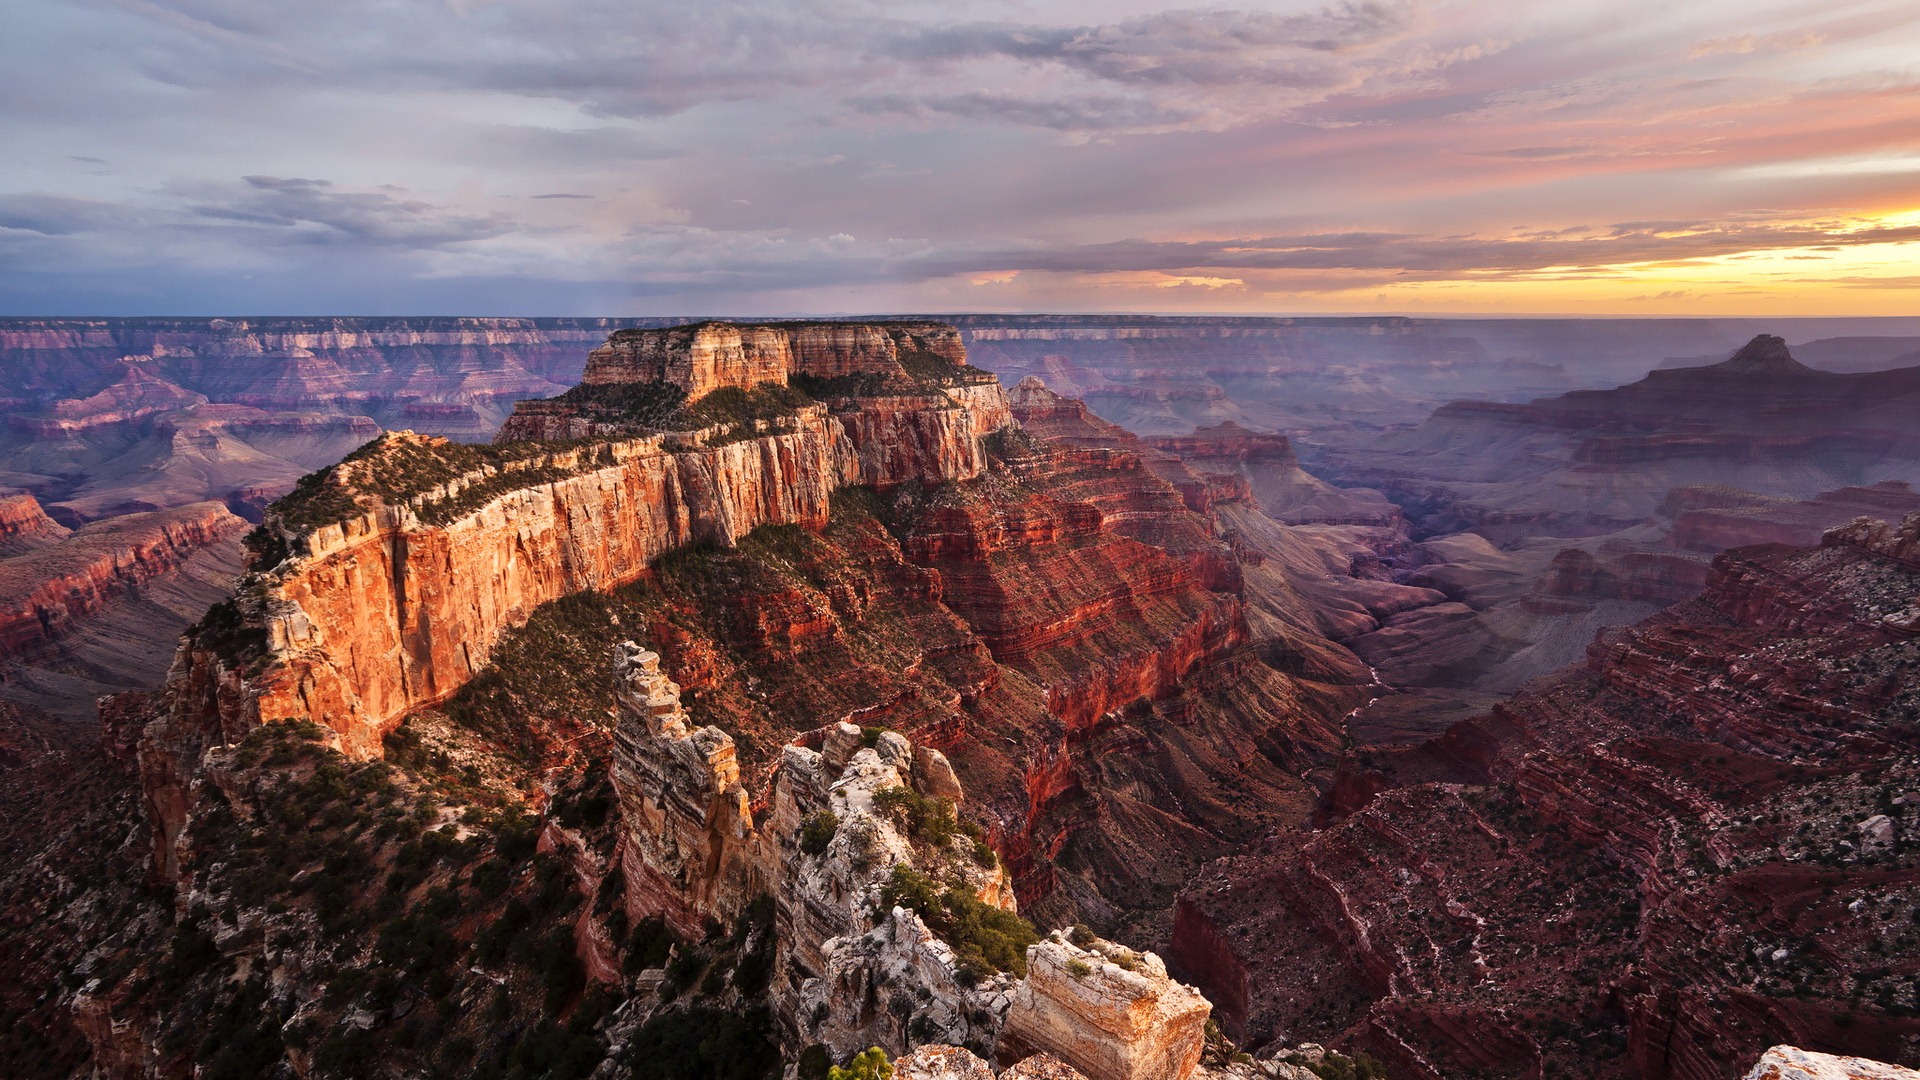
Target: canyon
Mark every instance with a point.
(805, 687)
(1676, 848)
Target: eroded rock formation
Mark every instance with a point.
(707, 356)
(1793, 1063)
(1109, 1011)
(45, 593)
(1636, 856)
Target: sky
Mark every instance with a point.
(759, 157)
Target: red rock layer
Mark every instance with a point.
(706, 356)
(45, 592)
(1100, 619)
(1141, 493)
(136, 393)
(388, 612)
(25, 527)
(1690, 850)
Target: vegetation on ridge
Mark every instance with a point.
(985, 939)
(398, 467)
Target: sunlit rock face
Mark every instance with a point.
(1793, 1063)
(399, 603)
(1110, 1012)
(705, 357)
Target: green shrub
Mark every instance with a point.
(982, 936)
(868, 1064)
(817, 832)
(932, 821)
(705, 1044)
(732, 406)
(640, 404)
(1338, 1066)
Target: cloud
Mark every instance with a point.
(760, 152)
(57, 215)
(1742, 44)
(315, 211)
(1081, 114)
(1210, 48)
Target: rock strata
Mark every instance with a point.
(1112, 1013)
(1643, 850)
(705, 357)
(46, 593)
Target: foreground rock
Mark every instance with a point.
(1116, 1010)
(859, 965)
(1793, 1063)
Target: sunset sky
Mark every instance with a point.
(836, 156)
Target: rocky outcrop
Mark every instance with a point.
(690, 852)
(869, 972)
(1108, 1011)
(707, 356)
(45, 593)
(1901, 542)
(25, 527)
(402, 602)
(856, 972)
(1793, 1063)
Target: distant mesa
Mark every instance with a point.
(709, 356)
(1766, 354)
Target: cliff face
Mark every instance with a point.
(690, 850)
(389, 610)
(1655, 866)
(693, 850)
(705, 357)
(25, 527)
(45, 593)
(375, 599)
(1110, 1012)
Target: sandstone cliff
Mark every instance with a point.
(400, 603)
(707, 356)
(45, 593)
(24, 526)
(1111, 1012)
